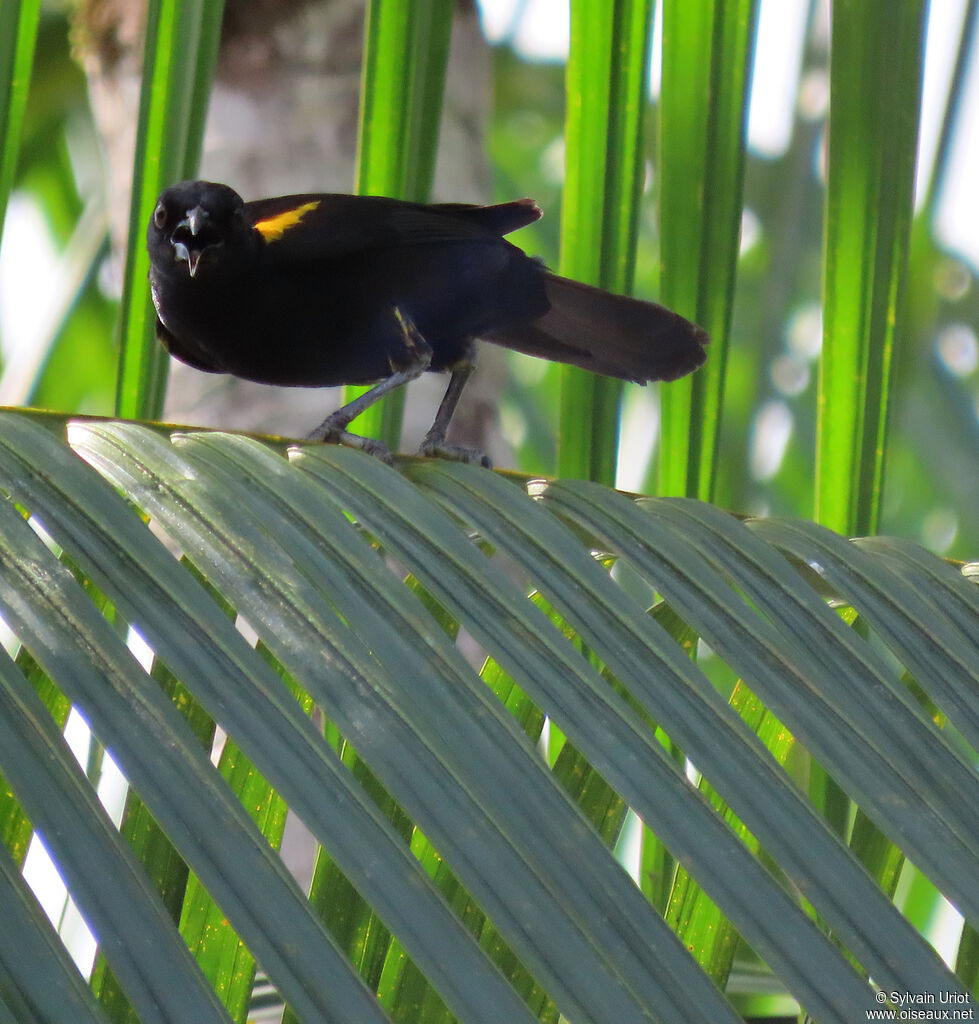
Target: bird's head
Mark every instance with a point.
(192, 222)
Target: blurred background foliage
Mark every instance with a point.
(58, 330)
(60, 277)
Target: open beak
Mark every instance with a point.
(184, 238)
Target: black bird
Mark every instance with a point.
(320, 290)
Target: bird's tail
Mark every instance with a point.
(610, 334)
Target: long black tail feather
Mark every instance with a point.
(610, 334)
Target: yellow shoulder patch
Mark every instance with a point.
(274, 227)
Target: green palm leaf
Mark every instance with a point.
(303, 548)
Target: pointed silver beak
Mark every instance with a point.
(192, 223)
(192, 256)
(194, 220)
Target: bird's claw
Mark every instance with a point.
(336, 434)
(435, 449)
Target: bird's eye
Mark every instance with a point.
(160, 215)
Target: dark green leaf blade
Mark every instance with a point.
(65, 811)
(37, 978)
(711, 735)
(272, 729)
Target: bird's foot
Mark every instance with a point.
(434, 448)
(337, 433)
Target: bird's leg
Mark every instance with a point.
(434, 444)
(415, 360)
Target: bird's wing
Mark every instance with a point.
(329, 226)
